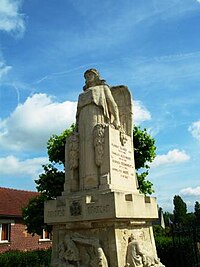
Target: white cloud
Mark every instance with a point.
(34, 121)
(140, 112)
(189, 191)
(30, 167)
(10, 18)
(194, 129)
(4, 69)
(174, 156)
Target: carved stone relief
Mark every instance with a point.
(123, 137)
(75, 208)
(80, 251)
(99, 140)
(139, 254)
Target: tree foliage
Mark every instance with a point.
(50, 184)
(197, 212)
(145, 186)
(144, 148)
(33, 215)
(56, 146)
(51, 181)
(144, 153)
(180, 210)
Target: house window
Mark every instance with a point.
(5, 232)
(46, 236)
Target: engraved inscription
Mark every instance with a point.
(55, 213)
(98, 209)
(122, 161)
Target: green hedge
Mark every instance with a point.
(35, 258)
(179, 254)
(165, 250)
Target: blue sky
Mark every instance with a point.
(152, 46)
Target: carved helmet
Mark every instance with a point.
(93, 71)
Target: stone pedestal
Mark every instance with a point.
(95, 220)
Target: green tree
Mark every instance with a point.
(168, 218)
(50, 184)
(33, 215)
(190, 219)
(197, 212)
(180, 210)
(56, 146)
(144, 153)
(51, 181)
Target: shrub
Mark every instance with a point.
(36, 258)
(177, 253)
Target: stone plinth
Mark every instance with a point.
(94, 206)
(106, 218)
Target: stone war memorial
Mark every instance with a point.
(101, 219)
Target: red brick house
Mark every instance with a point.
(13, 235)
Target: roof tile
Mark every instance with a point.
(12, 201)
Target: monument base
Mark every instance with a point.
(100, 244)
(98, 228)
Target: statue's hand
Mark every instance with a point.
(116, 124)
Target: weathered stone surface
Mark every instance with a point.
(114, 239)
(95, 206)
(101, 219)
(115, 166)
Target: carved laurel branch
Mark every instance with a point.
(73, 150)
(99, 141)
